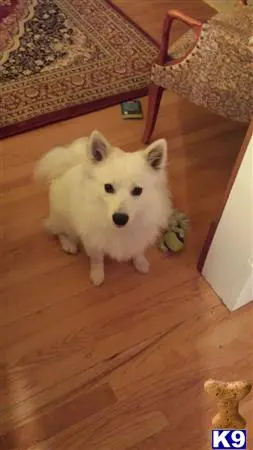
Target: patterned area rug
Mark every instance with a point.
(63, 58)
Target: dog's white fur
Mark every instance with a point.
(81, 210)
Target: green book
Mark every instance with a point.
(131, 110)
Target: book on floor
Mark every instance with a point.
(131, 110)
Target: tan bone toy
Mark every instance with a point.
(228, 396)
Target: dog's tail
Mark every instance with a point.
(55, 163)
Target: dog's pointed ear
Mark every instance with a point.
(98, 146)
(156, 154)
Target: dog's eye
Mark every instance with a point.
(109, 188)
(136, 192)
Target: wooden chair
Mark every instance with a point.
(211, 65)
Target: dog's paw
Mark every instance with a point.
(68, 245)
(141, 264)
(97, 276)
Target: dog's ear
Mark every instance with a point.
(98, 146)
(156, 154)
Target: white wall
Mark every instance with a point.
(228, 266)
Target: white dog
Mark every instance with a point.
(112, 202)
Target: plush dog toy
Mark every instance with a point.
(174, 237)
(228, 396)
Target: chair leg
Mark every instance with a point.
(154, 100)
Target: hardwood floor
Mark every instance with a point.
(122, 366)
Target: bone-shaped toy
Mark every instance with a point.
(228, 396)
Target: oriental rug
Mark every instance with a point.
(63, 58)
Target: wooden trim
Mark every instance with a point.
(172, 15)
(214, 224)
(154, 100)
(188, 20)
(155, 92)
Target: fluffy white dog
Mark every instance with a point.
(112, 202)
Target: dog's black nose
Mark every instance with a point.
(120, 219)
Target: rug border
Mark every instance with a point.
(78, 110)
(138, 27)
(69, 113)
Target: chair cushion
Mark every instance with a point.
(217, 72)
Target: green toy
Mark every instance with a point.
(174, 237)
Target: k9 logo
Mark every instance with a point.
(229, 439)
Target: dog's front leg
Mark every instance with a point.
(97, 274)
(141, 263)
